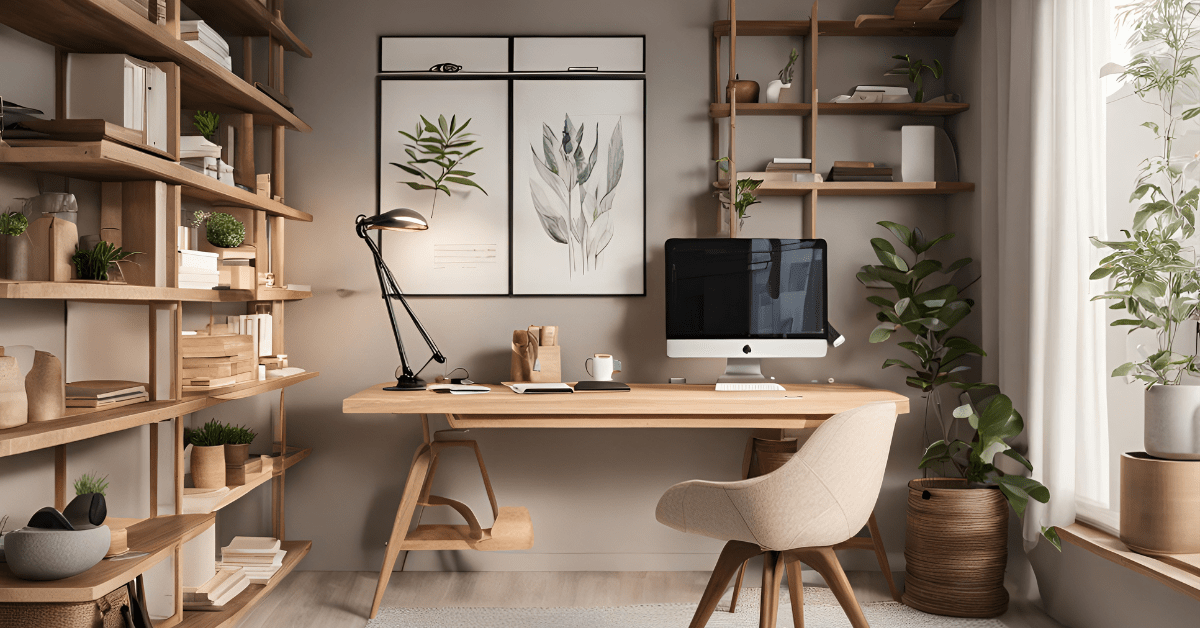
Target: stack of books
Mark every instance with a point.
(195, 146)
(215, 361)
(790, 164)
(258, 327)
(210, 167)
(260, 557)
(105, 394)
(202, 37)
(858, 171)
(226, 585)
(198, 270)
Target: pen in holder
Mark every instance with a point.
(533, 361)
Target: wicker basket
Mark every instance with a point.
(956, 549)
(102, 613)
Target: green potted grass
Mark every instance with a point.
(208, 455)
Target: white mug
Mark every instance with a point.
(605, 366)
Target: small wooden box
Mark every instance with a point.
(235, 475)
(1160, 505)
(237, 277)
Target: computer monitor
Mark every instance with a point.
(744, 300)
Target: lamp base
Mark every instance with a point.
(407, 383)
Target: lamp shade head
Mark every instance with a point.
(402, 219)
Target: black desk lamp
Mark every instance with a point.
(397, 220)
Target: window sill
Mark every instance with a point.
(1181, 572)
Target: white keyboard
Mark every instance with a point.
(737, 386)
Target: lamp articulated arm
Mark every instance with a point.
(390, 290)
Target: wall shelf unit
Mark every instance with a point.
(141, 208)
(256, 480)
(725, 110)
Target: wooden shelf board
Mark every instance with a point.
(249, 389)
(90, 423)
(236, 609)
(721, 110)
(512, 530)
(773, 186)
(835, 28)
(108, 26)
(281, 294)
(157, 537)
(78, 291)
(110, 161)
(258, 479)
(247, 17)
(1181, 572)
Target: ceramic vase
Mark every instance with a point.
(18, 251)
(208, 466)
(746, 91)
(1172, 427)
(14, 406)
(774, 89)
(45, 389)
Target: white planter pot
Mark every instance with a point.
(1173, 422)
(773, 89)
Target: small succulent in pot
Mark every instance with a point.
(225, 231)
(91, 483)
(207, 122)
(94, 264)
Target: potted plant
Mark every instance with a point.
(956, 544)
(744, 195)
(913, 69)
(17, 244)
(237, 444)
(223, 230)
(784, 81)
(1154, 275)
(442, 149)
(94, 264)
(208, 455)
(207, 123)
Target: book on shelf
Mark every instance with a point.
(792, 160)
(105, 394)
(844, 172)
(198, 259)
(222, 587)
(260, 557)
(192, 146)
(776, 167)
(259, 326)
(202, 32)
(224, 61)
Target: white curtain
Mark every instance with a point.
(1042, 195)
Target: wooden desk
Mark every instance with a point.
(645, 406)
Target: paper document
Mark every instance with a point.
(540, 388)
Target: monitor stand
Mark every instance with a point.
(745, 374)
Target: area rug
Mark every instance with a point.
(821, 610)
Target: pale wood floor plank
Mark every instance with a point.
(340, 599)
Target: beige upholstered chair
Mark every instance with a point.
(796, 514)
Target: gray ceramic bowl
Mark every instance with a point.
(35, 554)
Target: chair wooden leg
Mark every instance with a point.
(735, 553)
(737, 588)
(795, 589)
(772, 573)
(881, 556)
(825, 561)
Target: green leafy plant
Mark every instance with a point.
(239, 435)
(93, 264)
(91, 483)
(199, 217)
(207, 122)
(1154, 275)
(914, 70)
(743, 193)
(210, 434)
(785, 75)
(224, 230)
(929, 313)
(442, 148)
(13, 223)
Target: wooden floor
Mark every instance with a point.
(340, 599)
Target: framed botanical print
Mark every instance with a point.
(443, 151)
(579, 186)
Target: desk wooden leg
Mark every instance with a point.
(404, 514)
(881, 556)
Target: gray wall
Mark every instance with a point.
(591, 492)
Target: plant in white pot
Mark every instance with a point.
(785, 79)
(1154, 274)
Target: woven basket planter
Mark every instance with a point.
(955, 549)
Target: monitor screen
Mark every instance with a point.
(746, 288)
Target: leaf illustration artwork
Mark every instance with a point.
(571, 211)
(442, 147)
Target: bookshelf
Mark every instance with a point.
(132, 217)
(723, 111)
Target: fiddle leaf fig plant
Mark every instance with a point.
(1155, 277)
(442, 148)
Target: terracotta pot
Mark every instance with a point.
(236, 455)
(208, 466)
(45, 389)
(14, 406)
(956, 549)
(1160, 504)
(746, 91)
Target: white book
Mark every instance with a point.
(192, 146)
(253, 544)
(792, 160)
(223, 60)
(197, 285)
(198, 259)
(265, 324)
